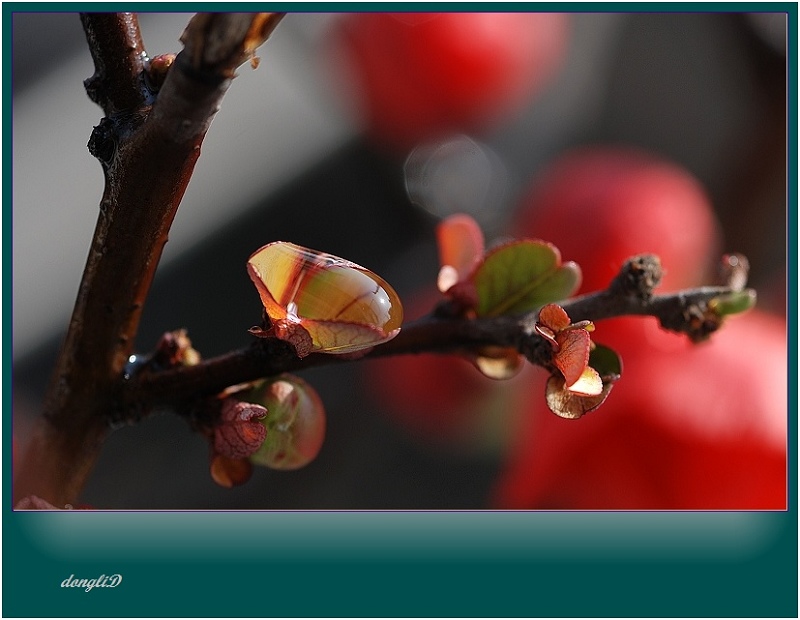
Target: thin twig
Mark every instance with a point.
(432, 334)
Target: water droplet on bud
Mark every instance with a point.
(343, 306)
(295, 423)
(498, 362)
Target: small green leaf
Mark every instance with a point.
(562, 283)
(733, 303)
(521, 276)
(606, 362)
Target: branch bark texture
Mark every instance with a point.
(148, 144)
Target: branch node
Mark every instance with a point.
(693, 318)
(217, 43)
(638, 277)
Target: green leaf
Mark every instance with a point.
(521, 276)
(606, 362)
(733, 303)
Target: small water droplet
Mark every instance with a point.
(499, 362)
(134, 365)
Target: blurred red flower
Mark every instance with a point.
(688, 427)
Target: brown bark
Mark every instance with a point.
(148, 144)
(441, 332)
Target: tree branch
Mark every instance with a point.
(181, 387)
(148, 145)
(119, 59)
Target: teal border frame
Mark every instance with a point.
(557, 564)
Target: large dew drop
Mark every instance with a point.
(343, 306)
